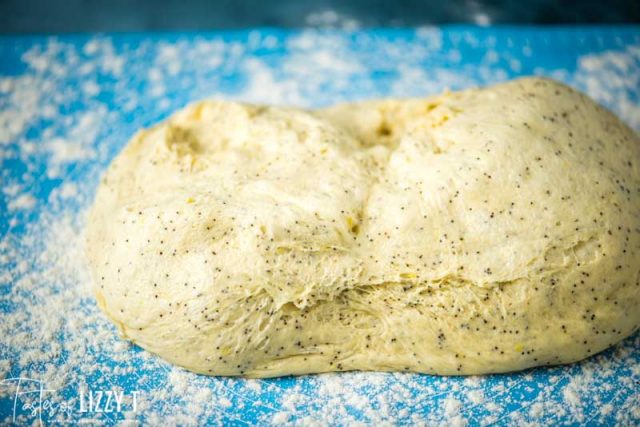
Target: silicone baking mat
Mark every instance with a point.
(68, 104)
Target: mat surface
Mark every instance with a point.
(68, 104)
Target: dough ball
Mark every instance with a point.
(488, 230)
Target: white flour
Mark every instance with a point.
(74, 106)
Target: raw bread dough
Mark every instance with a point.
(483, 231)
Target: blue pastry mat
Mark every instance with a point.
(69, 103)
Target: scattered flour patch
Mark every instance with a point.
(452, 407)
(280, 418)
(22, 202)
(476, 396)
(90, 88)
(5, 367)
(254, 385)
(536, 410)
(606, 409)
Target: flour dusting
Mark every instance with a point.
(76, 102)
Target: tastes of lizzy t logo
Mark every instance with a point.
(31, 399)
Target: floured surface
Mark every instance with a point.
(602, 389)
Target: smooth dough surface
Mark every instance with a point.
(488, 230)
